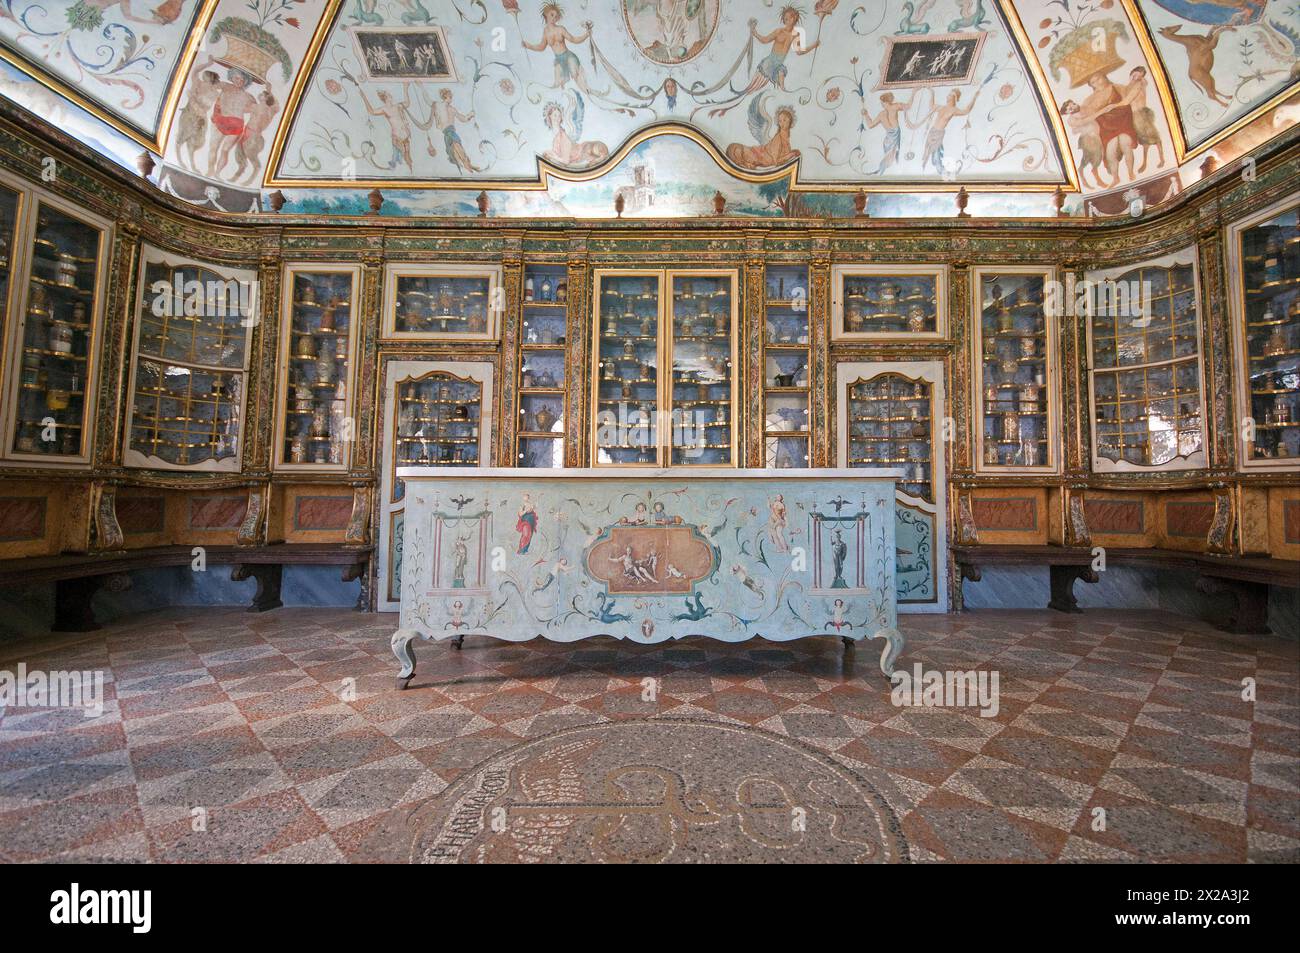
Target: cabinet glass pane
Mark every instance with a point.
(627, 356)
(542, 367)
(438, 420)
(191, 355)
(316, 402)
(1271, 283)
(55, 356)
(1146, 382)
(887, 304)
(1014, 361)
(702, 379)
(442, 304)
(890, 425)
(786, 355)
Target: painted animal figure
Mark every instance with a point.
(972, 16)
(912, 24)
(1200, 58)
(694, 611)
(366, 12)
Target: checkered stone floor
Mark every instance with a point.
(281, 737)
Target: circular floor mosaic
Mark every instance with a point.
(650, 791)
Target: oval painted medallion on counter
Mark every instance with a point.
(671, 31)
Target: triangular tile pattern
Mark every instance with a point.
(281, 737)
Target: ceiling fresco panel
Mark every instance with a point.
(1225, 59)
(933, 93)
(117, 58)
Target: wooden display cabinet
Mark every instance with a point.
(890, 415)
(884, 302)
(1014, 371)
(543, 368)
(435, 413)
(57, 259)
(315, 428)
(189, 376)
(1264, 300)
(1145, 393)
(442, 302)
(682, 320)
(787, 359)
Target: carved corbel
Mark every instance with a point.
(1076, 520)
(1219, 540)
(252, 532)
(105, 533)
(967, 535)
(358, 530)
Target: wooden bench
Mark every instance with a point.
(1246, 579)
(77, 577)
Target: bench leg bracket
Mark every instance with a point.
(1062, 580)
(1249, 615)
(268, 577)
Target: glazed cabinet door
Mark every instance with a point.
(891, 415)
(435, 413)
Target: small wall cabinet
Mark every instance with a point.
(1264, 299)
(56, 256)
(442, 302)
(877, 302)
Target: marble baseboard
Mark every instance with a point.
(29, 610)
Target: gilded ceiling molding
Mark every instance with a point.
(158, 141)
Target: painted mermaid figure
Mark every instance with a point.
(557, 38)
(772, 69)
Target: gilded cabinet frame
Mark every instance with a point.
(31, 199)
(289, 273)
(1052, 384)
(394, 272)
(1241, 357)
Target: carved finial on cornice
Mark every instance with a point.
(1058, 202)
(618, 204)
(719, 202)
(276, 200)
(376, 198)
(860, 204)
(145, 163)
(482, 202)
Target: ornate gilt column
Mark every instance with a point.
(821, 377)
(365, 465)
(512, 285)
(749, 361)
(1076, 441)
(119, 313)
(581, 310)
(959, 370)
(1220, 423)
(259, 417)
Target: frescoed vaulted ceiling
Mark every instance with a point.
(435, 100)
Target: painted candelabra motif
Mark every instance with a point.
(648, 559)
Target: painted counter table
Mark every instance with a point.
(647, 555)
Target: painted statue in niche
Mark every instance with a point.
(670, 31)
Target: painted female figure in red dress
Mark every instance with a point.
(526, 525)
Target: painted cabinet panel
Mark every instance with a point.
(648, 558)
